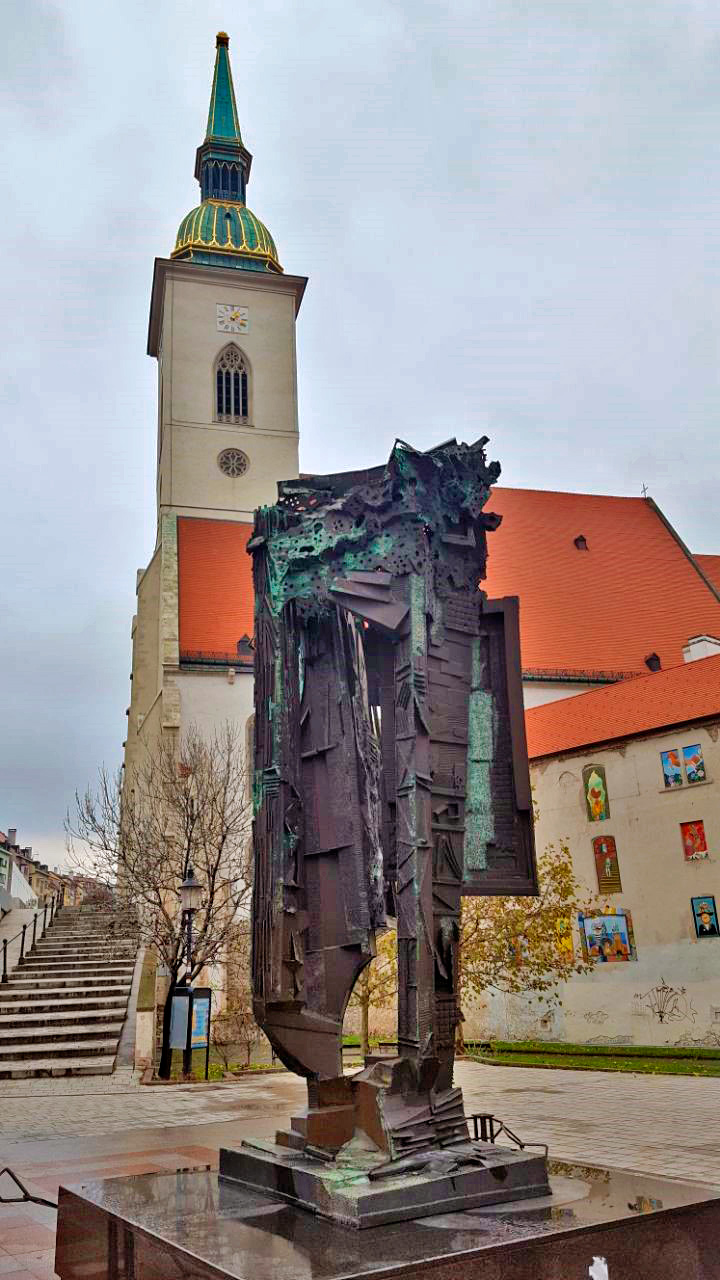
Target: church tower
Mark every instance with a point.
(222, 328)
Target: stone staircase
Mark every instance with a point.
(62, 1010)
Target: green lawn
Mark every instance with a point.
(582, 1057)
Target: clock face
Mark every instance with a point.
(232, 319)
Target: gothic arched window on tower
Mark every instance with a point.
(231, 386)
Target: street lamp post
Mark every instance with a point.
(190, 897)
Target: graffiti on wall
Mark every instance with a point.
(667, 1004)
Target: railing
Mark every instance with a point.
(54, 905)
(217, 657)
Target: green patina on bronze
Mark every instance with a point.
(479, 823)
(314, 538)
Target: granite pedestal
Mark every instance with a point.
(597, 1225)
(342, 1190)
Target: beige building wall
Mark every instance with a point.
(676, 974)
(209, 698)
(184, 327)
(186, 339)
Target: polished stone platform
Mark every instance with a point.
(598, 1225)
(341, 1189)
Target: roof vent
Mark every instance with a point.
(581, 542)
(652, 662)
(701, 647)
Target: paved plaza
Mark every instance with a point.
(55, 1133)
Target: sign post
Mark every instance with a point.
(200, 1022)
(190, 1021)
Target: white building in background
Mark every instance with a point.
(629, 776)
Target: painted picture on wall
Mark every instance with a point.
(694, 763)
(672, 773)
(596, 796)
(606, 864)
(693, 840)
(607, 936)
(685, 766)
(705, 917)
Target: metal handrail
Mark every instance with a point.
(55, 905)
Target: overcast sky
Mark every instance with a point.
(509, 214)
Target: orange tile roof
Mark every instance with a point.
(634, 592)
(710, 566)
(644, 704)
(215, 591)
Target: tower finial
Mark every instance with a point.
(223, 117)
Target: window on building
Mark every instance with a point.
(231, 386)
(233, 462)
(684, 767)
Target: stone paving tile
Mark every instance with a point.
(41, 1264)
(29, 1238)
(122, 1080)
(9, 1265)
(665, 1125)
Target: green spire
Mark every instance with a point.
(222, 162)
(222, 231)
(223, 117)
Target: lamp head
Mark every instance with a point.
(190, 892)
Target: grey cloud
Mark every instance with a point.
(509, 216)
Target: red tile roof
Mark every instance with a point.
(633, 592)
(655, 701)
(215, 590)
(710, 566)
(596, 612)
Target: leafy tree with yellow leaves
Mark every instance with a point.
(376, 987)
(519, 945)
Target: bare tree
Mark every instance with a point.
(185, 805)
(235, 1028)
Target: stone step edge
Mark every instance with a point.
(77, 1066)
(9, 1034)
(60, 1050)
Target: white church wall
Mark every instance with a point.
(669, 994)
(537, 692)
(208, 699)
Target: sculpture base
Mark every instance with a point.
(599, 1223)
(341, 1189)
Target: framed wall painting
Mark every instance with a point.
(705, 917)
(694, 763)
(597, 802)
(683, 767)
(672, 773)
(607, 936)
(694, 841)
(606, 864)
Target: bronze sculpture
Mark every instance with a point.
(391, 777)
